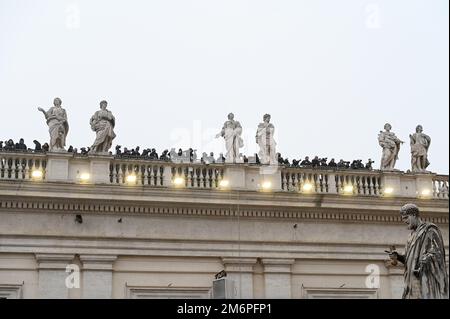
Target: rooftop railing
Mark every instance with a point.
(73, 168)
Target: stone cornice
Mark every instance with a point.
(163, 194)
(356, 214)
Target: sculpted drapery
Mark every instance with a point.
(231, 132)
(58, 125)
(265, 140)
(425, 274)
(420, 143)
(425, 270)
(103, 122)
(391, 147)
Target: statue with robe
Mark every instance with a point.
(103, 123)
(391, 147)
(265, 139)
(425, 274)
(420, 143)
(231, 132)
(58, 125)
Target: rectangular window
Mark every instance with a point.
(10, 291)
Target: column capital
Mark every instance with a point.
(54, 261)
(98, 262)
(277, 265)
(238, 264)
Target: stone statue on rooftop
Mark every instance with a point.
(391, 147)
(425, 275)
(58, 125)
(420, 143)
(265, 139)
(103, 123)
(231, 132)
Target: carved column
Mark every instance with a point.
(52, 275)
(277, 277)
(240, 270)
(97, 276)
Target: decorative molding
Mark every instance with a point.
(239, 264)
(98, 262)
(151, 292)
(277, 265)
(301, 213)
(11, 291)
(339, 293)
(54, 261)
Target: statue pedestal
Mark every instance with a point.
(254, 178)
(391, 183)
(58, 166)
(424, 184)
(100, 168)
(270, 174)
(64, 167)
(236, 176)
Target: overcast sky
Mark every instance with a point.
(331, 73)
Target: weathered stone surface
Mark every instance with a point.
(391, 147)
(420, 143)
(103, 123)
(231, 132)
(56, 118)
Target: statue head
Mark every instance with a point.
(103, 105)
(57, 101)
(267, 118)
(231, 116)
(410, 215)
(419, 129)
(387, 127)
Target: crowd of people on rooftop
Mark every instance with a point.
(189, 155)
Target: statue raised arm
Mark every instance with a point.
(56, 118)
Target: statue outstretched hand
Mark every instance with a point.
(393, 255)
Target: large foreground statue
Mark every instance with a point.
(424, 259)
(58, 126)
(231, 132)
(420, 142)
(391, 146)
(265, 140)
(102, 123)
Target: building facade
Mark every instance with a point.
(75, 226)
